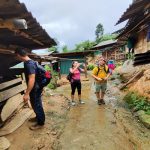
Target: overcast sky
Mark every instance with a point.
(74, 21)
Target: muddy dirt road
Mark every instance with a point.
(109, 127)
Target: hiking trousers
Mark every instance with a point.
(36, 103)
(76, 84)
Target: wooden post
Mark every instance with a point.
(23, 77)
(59, 69)
(40, 62)
(115, 55)
(106, 54)
(85, 68)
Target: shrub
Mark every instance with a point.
(53, 83)
(90, 67)
(137, 102)
(118, 64)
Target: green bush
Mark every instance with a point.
(90, 67)
(118, 64)
(48, 68)
(53, 83)
(137, 102)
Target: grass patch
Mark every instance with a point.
(137, 102)
(55, 115)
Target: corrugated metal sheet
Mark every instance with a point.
(105, 43)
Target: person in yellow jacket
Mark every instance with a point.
(101, 74)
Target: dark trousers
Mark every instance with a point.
(36, 103)
(76, 84)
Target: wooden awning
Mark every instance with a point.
(35, 37)
(133, 9)
(138, 15)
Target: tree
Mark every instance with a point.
(86, 45)
(65, 49)
(99, 31)
(53, 49)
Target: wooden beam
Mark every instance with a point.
(25, 35)
(6, 51)
(11, 92)
(9, 83)
(137, 25)
(11, 27)
(136, 76)
(70, 59)
(13, 24)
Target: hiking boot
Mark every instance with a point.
(73, 103)
(81, 102)
(36, 127)
(102, 101)
(32, 119)
(99, 102)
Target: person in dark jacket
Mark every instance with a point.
(33, 91)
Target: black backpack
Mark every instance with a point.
(43, 77)
(69, 76)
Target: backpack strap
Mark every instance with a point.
(98, 71)
(79, 70)
(105, 69)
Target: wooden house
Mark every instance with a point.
(12, 81)
(110, 50)
(137, 28)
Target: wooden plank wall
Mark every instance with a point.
(142, 44)
(114, 54)
(19, 86)
(10, 93)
